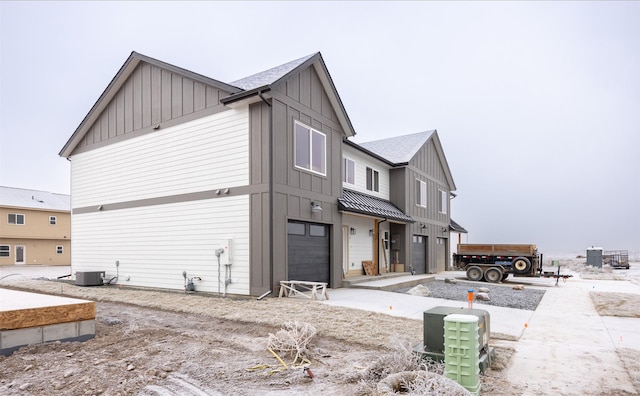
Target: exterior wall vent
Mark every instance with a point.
(89, 278)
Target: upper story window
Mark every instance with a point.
(53, 220)
(14, 218)
(349, 171)
(59, 249)
(373, 180)
(5, 250)
(310, 149)
(421, 193)
(442, 201)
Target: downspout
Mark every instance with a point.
(378, 243)
(270, 190)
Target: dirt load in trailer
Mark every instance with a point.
(494, 262)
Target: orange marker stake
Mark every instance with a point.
(470, 298)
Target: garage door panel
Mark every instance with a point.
(419, 254)
(308, 254)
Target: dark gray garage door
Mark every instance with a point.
(420, 254)
(308, 252)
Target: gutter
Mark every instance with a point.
(245, 94)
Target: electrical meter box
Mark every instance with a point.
(433, 332)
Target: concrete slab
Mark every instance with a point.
(33, 318)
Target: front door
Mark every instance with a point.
(20, 254)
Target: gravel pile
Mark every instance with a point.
(501, 295)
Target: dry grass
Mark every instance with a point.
(629, 358)
(347, 324)
(623, 305)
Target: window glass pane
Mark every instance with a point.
(4, 250)
(315, 230)
(11, 218)
(376, 181)
(369, 179)
(423, 193)
(318, 152)
(295, 229)
(302, 146)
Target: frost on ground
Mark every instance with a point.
(150, 342)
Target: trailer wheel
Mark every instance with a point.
(521, 265)
(474, 273)
(493, 275)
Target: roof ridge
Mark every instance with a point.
(269, 76)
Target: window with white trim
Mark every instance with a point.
(442, 201)
(14, 218)
(373, 180)
(310, 149)
(349, 171)
(421, 193)
(5, 250)
(59, 249)
(53, 220)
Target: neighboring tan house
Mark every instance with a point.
(35, 227)
(178, 176)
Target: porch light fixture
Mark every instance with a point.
(315, 206)
(352, 231)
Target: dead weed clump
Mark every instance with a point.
(401, 371)
(293, 339)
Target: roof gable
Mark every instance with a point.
(401, 150)
(108, 116)
(272, 79)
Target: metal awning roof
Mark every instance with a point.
(355, 202)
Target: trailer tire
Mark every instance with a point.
(521, 265)
(493, 275)
(474, 273)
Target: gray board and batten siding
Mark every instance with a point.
(301, 97)
(428, 164)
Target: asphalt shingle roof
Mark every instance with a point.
(355, 202)
(399, 149)
(270, 76)
(455, 227)
(34, 199)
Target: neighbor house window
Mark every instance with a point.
(373, 180)
(349, 172)
(52, 220)
(59, 249)
(310, 149)
(442, 201)
(421, 193)
(5, 250)
(16, 218)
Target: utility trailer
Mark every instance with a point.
(494, 262)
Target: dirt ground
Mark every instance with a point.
(151, 342)
(163, 343)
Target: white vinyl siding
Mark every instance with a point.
(205, 154)
(362, 161)
(155, 244)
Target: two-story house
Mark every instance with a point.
(35, 227)
(239, 185)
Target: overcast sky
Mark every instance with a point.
(537, 104)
